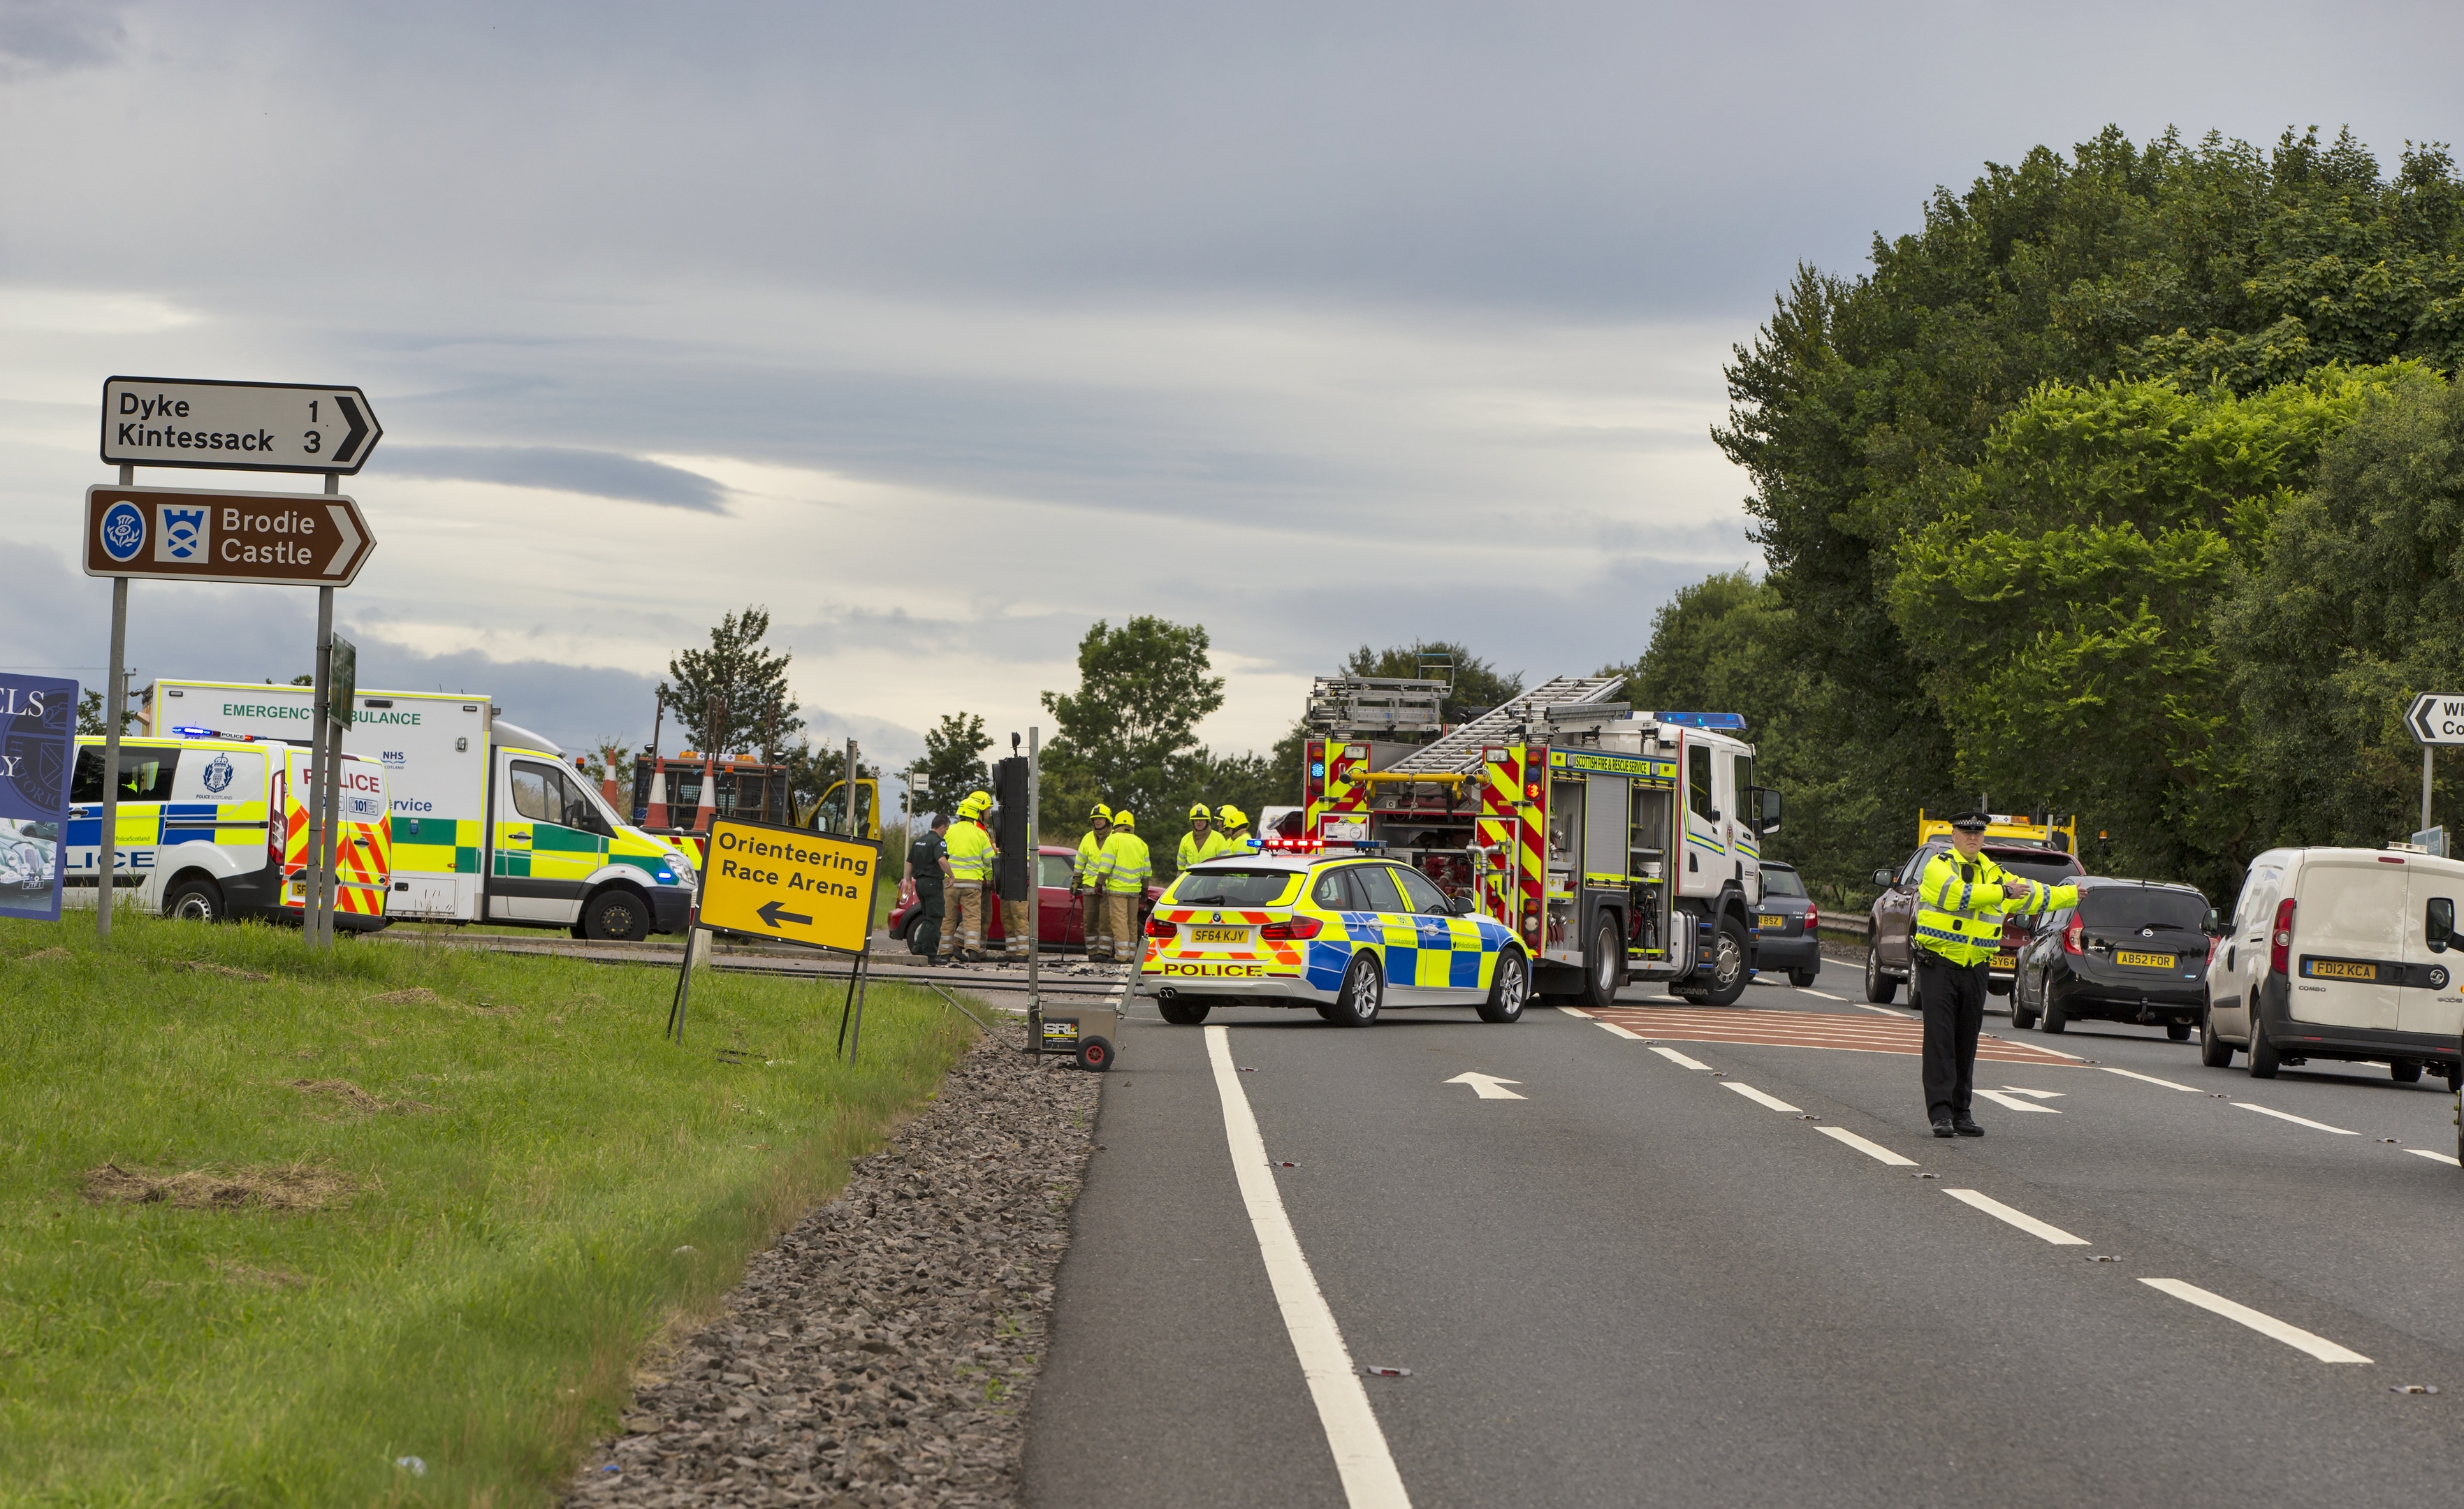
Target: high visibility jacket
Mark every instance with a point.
(1128, 864)
(970, 853)
(1090, 867)
(1197, 851)
(1238, 842)
(1961, 904)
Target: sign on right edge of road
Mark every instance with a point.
(2437, 717)
(238, 427)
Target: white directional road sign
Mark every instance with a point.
(238, 427)
(2437, 717)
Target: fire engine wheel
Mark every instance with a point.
(616, 915)
(1508, 990)
(1181, 1010)
(1602, 965)
(1728, 979)
(1879, 988)
(195, 899)
(1363, 992)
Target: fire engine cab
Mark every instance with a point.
(1618, 845)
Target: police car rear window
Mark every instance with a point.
(1234, 888)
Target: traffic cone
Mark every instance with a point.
(655, 814)
(707, 808)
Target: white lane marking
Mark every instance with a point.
(1612, 1027)
(2147, 1079)
(2036, 1095)
(1879, 1011)
(2059, 1054)
(2018, 1218)
(1760, 1099)
(2007, 1103)
(1871, 1150)
(1676, 1058)
(2297, 1121)
(1485, 1086)
(1570, 1011)
(1361, 1458)
(1802, 989)
(2448, 1159)
(2265, 1324)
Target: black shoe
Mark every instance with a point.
(1942, 1128)
(1962, 1124)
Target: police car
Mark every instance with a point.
(1346, 933)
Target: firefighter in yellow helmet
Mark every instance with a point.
(1127, 867)
(1200, 842)
(1232, 830)
(967, 859)
(1962, 897)
(1087, 874)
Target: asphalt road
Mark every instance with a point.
(1638, 1285)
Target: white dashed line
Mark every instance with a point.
(2265, 1324)
(2297, 1121)
(2444, 1158)
(1760, 1099)
(1361, 1457)
(1879, 1011)
(2018, 1218)
(1871, 1150)
(1676, 1058)
(1612, 1027)
(1802, 989)
(2008, 1102)
(1571, 1011)
(2147, 1079)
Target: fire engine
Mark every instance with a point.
(1618, 845)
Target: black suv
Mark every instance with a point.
(2131, 950)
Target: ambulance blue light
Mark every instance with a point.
(1725, 722)
(184, 731)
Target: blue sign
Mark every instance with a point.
(123, 530)
(37, 751)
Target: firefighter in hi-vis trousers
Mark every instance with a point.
(967, 854)
(1127, 867)
(1087, 874)
(1961, 900)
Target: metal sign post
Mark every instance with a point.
(106, 849)
(1034, 897)
(793, 885)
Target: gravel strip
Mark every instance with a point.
(883, 1351)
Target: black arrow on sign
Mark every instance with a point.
(768, 911)
(359, 431)
(2421, 719)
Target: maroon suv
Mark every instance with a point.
(1894, 914)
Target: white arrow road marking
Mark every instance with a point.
(2265, 1324)
(1676, 1058)
(1760, 1099)
(1361, 1458)
(2448, 1159)
(1487, 1086)
(2297, 1121)
(2147, 1078)
(2018, 1218)
(350, 538)
(1871, 1150)
(2039, 1095)
(2007, 1103)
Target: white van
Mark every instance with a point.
(2340, 954)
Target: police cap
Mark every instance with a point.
(1970, 821)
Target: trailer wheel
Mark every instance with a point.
(1728, 979)
(1508, 991)
(616, 915)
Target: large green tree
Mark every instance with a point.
(1129, 734)
(954, 761)
(733, 696)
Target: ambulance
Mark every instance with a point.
(489, 823)
(212, 829)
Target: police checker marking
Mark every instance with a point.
(789, 883)
(1790, 1029)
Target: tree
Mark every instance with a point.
(953, 763)
(1129, 734)
(1478, 685)
(732, 696)
(92, 719)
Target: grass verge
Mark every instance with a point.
(272, 1222)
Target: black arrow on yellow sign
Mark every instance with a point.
(768, 911)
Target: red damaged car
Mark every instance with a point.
(1060, 924)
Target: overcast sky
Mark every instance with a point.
(943, 330)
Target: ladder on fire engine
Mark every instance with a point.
(1347, 706)
(1459, 749)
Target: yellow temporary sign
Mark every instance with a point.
(789, 883)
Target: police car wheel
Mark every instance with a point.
(1508, 990)
(1181, 1012)
(194, 900)
(616, 915)
(1362, 993)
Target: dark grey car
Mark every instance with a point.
(1785, 938)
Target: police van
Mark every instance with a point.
(2349, 955)
(488, 822)
(217, 828)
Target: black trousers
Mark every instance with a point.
(925, 936)
(1952, 998)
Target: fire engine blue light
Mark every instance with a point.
(1727, 722)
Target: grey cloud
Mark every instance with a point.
(47, 35)
(598, 473)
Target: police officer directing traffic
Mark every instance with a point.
(1961, 900)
